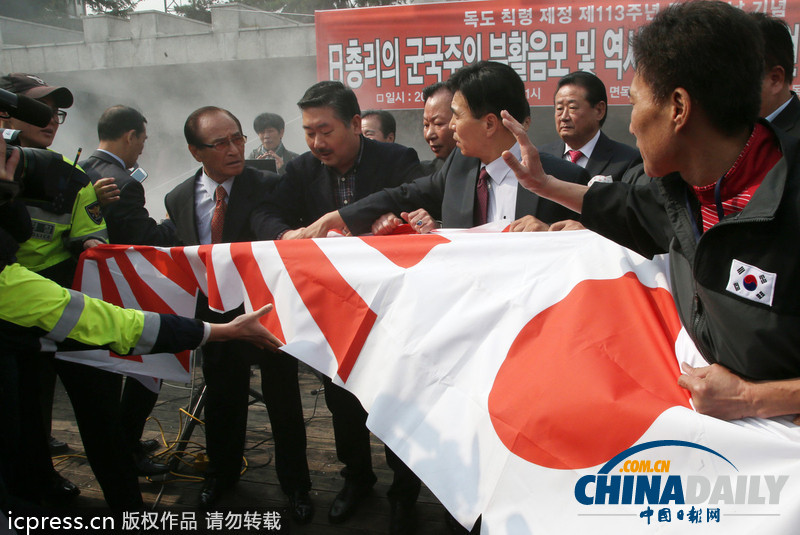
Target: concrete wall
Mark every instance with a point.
(246, 60)
(15, 32)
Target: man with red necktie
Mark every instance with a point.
(222, 203)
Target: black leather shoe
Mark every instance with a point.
(210, 495)
(301, 507)
(61, 490)
(346, 502)
(149, 446)
(146, 467)
(56, 446)
(403, 518)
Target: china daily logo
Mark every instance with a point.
(668, 496)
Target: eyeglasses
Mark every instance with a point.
(60, 116)
(237, 139)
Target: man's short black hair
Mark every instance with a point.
(594, 87)
(388, 123)
(190, 126)
(712, 50)
(432, 89)
(268, 120)
(778, 45)
(117, 121)
(490, 87)
(334, 95)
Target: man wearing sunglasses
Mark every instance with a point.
(222, 203)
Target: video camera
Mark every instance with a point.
(42, 176)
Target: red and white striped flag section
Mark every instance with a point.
(529, 378)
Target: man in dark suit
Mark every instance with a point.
(581, 105)
(221, 203)
(342, 167)
(779, 104)
(122, 133)
(436, 117)
(452, 195)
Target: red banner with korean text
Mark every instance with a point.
(387, 55)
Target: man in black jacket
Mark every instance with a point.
(221, 203)
(451, 195)
(342, 167)
(722, 202)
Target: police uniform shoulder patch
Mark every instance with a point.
(751, 282)
(94, 212)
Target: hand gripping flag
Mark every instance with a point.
(529, 378)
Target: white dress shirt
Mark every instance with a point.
(771, 116)
(204, 202)
(502, 189)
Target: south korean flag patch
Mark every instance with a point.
(751, 283)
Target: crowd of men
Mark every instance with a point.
(726, 195)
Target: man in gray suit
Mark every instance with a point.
(453, 194)
(581, 108)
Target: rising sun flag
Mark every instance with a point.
(527, 378)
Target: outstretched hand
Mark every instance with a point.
(529, 171)
(386, 224)
(248, 328)
(420, 220)
(528, 223)
(320, 227)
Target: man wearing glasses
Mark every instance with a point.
(52, 251)
(222, 203)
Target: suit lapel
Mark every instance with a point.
(789, 116)
(601, 156)
(464, 214)
(184, 211)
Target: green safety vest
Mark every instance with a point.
(57, 236)
(30, 300)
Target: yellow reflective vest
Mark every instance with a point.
(30, 300)
(58, 237)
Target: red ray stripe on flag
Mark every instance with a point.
(178, 255)
(148, 299)
(214, 299)
(256, 287)
(405, 250)
(111, 295)
(108, 288)
(343, 317)
(167, 266)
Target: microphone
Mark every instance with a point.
(25, 108)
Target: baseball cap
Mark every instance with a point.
(32, 86)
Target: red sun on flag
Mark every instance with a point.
(611, 344)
